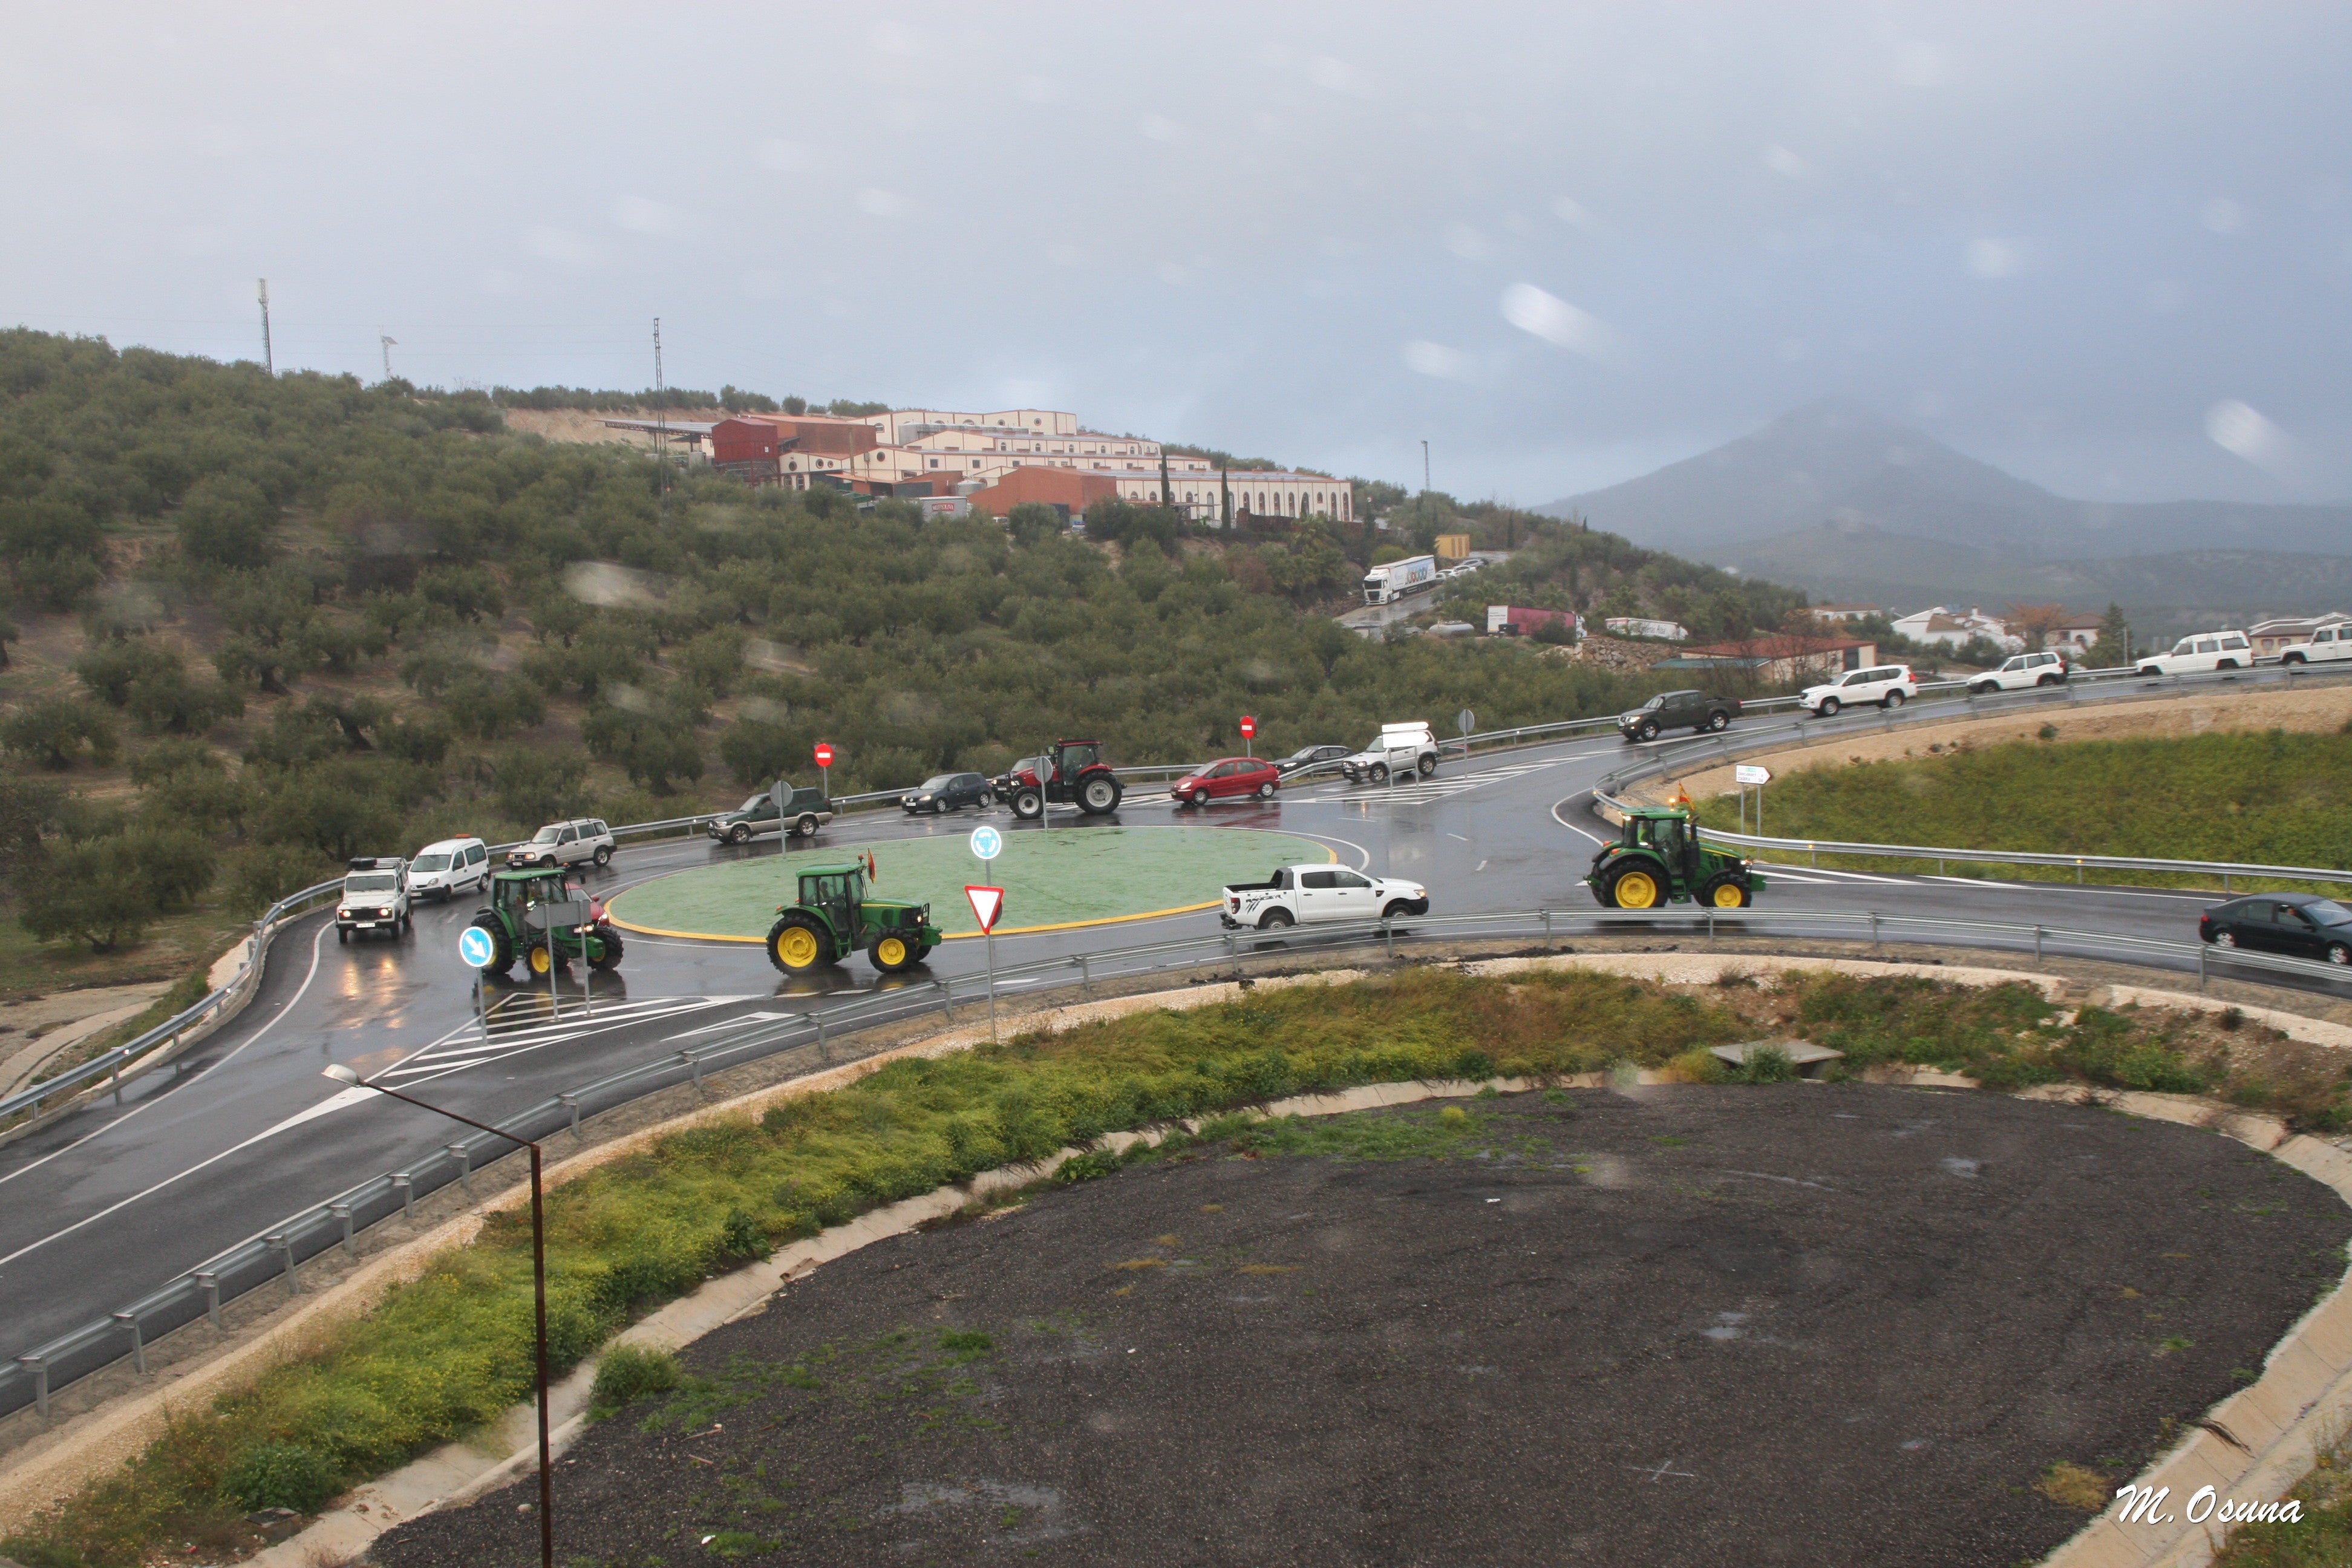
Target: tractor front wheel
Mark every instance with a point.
(1725, 890)
(797, 943)
(538, 963)
(1028, 805)
(1099, 795)
(608, 954)
(1636, 887)
(892, 952)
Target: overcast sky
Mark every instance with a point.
(2108, 247)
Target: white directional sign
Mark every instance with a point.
(987, 903)
(1749, 774)
(987, 843)
(475, 946)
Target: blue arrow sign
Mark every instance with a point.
(475, 946)
(987, 843)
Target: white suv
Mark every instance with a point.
(2205, 651)
(2025, 671)
(1889, 685)
(566, 843)
(2327, 644)
(374, 897)
(451, 867)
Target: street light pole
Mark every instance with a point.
(342, 1074)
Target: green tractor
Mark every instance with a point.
(506, 917)
(834, 918)
(1659, 859)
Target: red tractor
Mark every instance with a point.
(1074, 772)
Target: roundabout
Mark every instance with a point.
(1053, 880)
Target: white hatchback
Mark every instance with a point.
(452, 866)
(2327, 644)
(2205, 651)
(1887, 685)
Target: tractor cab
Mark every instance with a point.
(512, 892)
(839, 892)
(1659, 857)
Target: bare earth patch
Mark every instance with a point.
(1804, 1324)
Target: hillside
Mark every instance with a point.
(261, 624)
(1845, 503)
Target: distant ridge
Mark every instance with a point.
(1836, 464)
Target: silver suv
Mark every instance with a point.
(584, 838)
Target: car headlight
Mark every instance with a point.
(384, 914)
(343, 914)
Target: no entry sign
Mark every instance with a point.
(987, 903)
(824, 756)
(1249, 728)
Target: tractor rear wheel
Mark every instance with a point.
(892, 952)
(798, 943)
(1099, 795)
(609, 955)
(1636, 887)
(1725, 890)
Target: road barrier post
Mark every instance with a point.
(403, 1183)
(1874, 928)
(1548, 944)
(464, 1167)
(39, 1366)
(694, 1065)
(342, 1213)
(2037, 944)
(284, 1246)
(1086, 979)
(570, 1102)
(138, 1341)
(947, 997)
(209, 1283)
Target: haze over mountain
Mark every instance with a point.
(1839, 500)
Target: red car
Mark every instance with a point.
(1225, 779)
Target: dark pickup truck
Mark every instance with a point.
(1678, 710)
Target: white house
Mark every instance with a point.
(1951, 629)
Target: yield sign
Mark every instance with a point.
(987, 903)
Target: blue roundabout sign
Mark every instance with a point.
(987, 843)
(475, 946)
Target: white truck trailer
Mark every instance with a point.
(1386, 584)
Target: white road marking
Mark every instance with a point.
(312, 974)
(1572, 828)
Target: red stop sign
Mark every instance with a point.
(1249, 728)
(824, 756)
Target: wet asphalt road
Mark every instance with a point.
(106, 1205)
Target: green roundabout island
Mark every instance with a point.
(1052, 879)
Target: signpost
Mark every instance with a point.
(475, 946)
(547, 920)
(824, 772)
(1466, 721)
(1249, 735)
(987, 903)
(1746, 773)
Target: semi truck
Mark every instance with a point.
(1386, 584)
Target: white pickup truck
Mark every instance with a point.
(1310, 895)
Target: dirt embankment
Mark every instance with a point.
(2312, 710)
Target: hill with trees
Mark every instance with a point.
(263, 624)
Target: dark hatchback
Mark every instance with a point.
(2301, 925)
(1309, 756)
(948, 792)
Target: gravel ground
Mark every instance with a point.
(1703, 1326)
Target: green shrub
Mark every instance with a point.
(1767, 1064)
(281, 1475)
(629, 1372)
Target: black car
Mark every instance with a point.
(2301, 925)
(1307, 756)
(948, 792)
(1678, 710)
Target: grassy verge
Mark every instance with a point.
(2322, 1538)
(441, 1356)
(172, 946)
(2274, 799)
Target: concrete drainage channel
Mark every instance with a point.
(2255, 1444)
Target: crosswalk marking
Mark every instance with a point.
(1440, 786)
(512, 1036)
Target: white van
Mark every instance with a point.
(2327, 644)
(453, 866)
(2200, 653)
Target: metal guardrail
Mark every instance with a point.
(273, 1256)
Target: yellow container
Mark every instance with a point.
(1453, 546)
